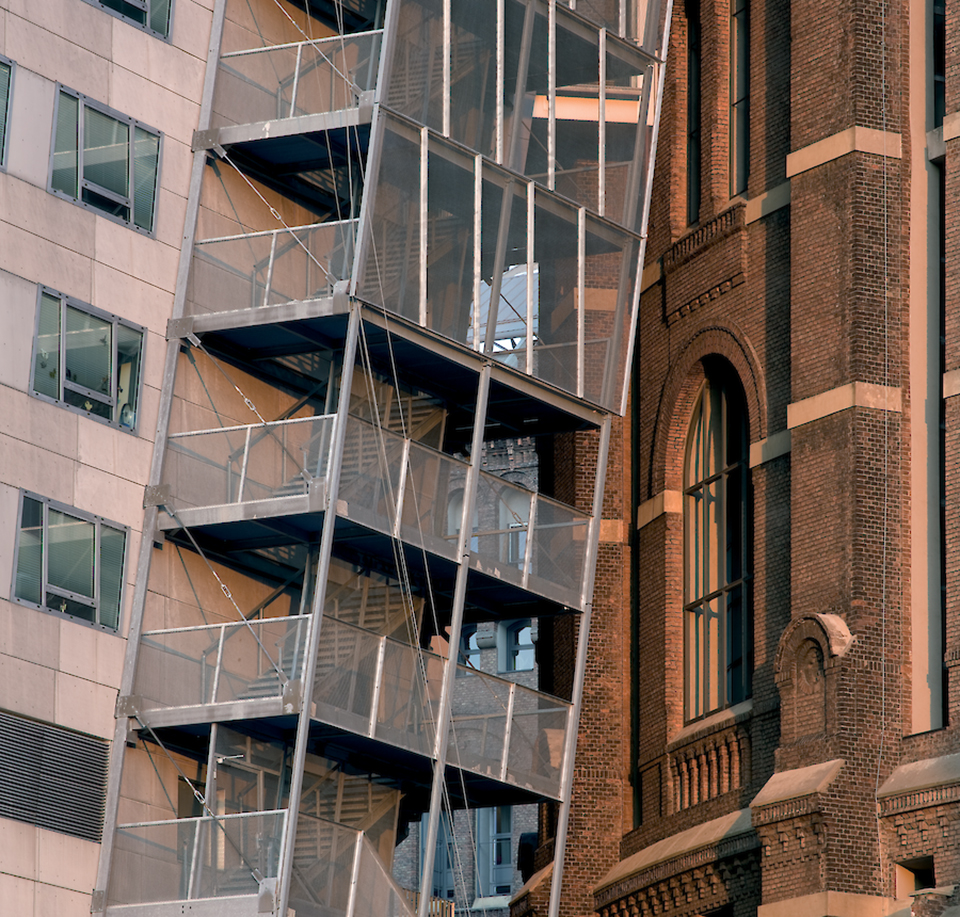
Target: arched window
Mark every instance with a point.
(718, 648)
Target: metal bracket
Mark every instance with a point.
(128, 705)
(205, 140)
(366, 105)
(341, 295)
(292, 696)
(178, 328)
(266, 900)
(98, 901)
(156, 495)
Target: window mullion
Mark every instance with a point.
(44, 553)
(62, 347)
(96, 570)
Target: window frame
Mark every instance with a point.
(115, 321)
(509, 646)
(696, 697)
(6, 107)
(694, 122)
(739, 126)
(98, 522)
(142, 26)
(84, 184)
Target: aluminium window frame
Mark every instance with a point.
(84, 516)
(103, 315)
(84, 101)
(143, 27)
(8, 105)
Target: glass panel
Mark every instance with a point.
(406, 715)
(479, 708)
(241, 464)
(29, 585)
(556, 254)
(46, 370)
(559, 544)
(537, 737)
(734, 533)
(500, 526)
(578, 114)
(692, 534)
(160, 16)
(693, 657)
(146, 157)
(112, 544)
(502, 326)
(625, 84)
(713, 664)
(195, 857)
(450, 213)
(4, 98)
(377, 893)
(415, 86)
(370, 475)
(736, 640)
(129, 346)
(710, 545)
(473, 74)
(88, 353)
(268, 268)
(106, 151)
(263, 84)
(70, 553)
(347, 663)
(431, 480)
(221, 663)
(530, 143)
(135, 12)
(603, 12)
(65, 169)
(390, 275)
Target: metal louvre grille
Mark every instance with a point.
(52, 777)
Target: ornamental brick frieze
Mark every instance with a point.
(710, 767)
(705, 264)
(694, 890)
(919, 799)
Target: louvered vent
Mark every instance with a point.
(52, 777)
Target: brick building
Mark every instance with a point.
(772, 712)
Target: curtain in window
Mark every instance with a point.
(146, 157)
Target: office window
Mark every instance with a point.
(105, 161)
(88, 360)
(717, 631)
(739, 97)
(469, 650)
(494, 851)
(150, 15)
(693, 111)
(444, 880)
(69, 562)
(516, 646)
(52, 777)
(939, 62)
(6, 78)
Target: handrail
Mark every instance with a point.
(309, 41)
(261, 233)
(250, 426)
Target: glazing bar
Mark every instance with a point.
(401, 488)
(505, 758)
(531, 239)
(453, 649)
(552, 96)
(477, 229)
(424, 203)
(581, 297)
(316, 610)
(583, 638)
(446, 68)
(500, 79)
(296, 80)
(602, 127)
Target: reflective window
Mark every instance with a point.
(105, 161)
(6, 78)
(517, 651)
(469, 657)
(494, 851)
(717, 631)
(69, 562)
(150, 15)
(693, 112)
(88, 360)
(739, 97)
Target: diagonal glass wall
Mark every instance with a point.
(415, 228)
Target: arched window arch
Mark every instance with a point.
(717, 624)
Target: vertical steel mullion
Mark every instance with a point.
(424, 209)
(45, 547)
(118, 747)
(623, 20)
(296, 80)
(316, 611)
(477, 234)
(501, 64)
(96, 570)
(269, 281)
(552, 96)
(218, 666)
(199, 838)
(243, 467)
(581, 297)
(62, 343)
(602, 128)
(531, 241)
(446, 67)
(377, 686)
(453, 647)
(570, 740)
(355, 876)
(401, 487)
(507, 729)
(528, 548)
